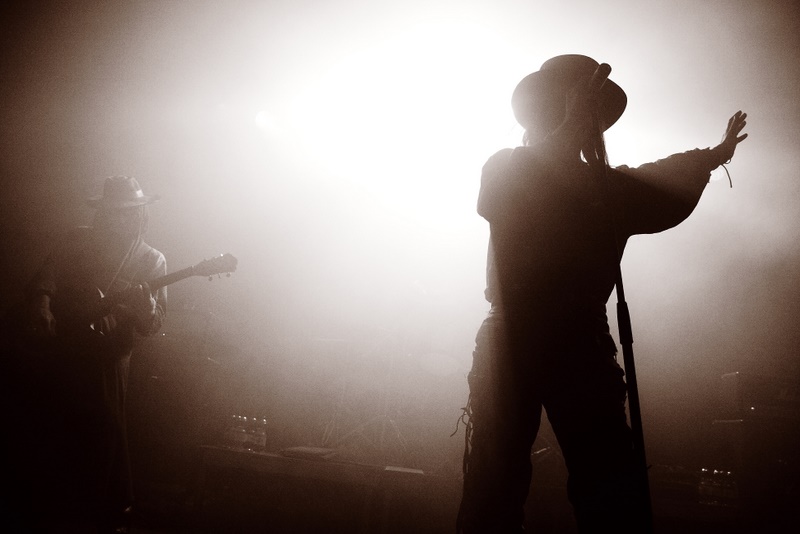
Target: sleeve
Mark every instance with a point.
(45, 279)
(494, 188)
(660, 195)
(512, 178)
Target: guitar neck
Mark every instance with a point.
(224, 263)
(170, 278)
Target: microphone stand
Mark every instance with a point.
(625, 331)
(626, 340)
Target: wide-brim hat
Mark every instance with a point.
(121, 192)
(539, 101)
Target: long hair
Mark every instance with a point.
(594, 150)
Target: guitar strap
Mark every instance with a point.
(125, 259)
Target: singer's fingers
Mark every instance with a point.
(738, 116)
(599, 77)
(737, 123)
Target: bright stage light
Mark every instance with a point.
(410, 119)
(266, 123)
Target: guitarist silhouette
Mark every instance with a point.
(68, 450)
(65, 361)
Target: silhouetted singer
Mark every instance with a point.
(560, 218)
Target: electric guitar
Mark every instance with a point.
(79, 310)
(82, 319)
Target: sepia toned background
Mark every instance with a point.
(335, 147)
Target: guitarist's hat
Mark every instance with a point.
(121, 192)
(539, 101)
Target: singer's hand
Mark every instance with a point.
(41, 321)
(577, 126)
(582, 98)
(731, 139)
(599, 78)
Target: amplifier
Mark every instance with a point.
(758, 397)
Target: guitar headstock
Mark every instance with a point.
(224, 263)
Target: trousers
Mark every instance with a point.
(517, 371)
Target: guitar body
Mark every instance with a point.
(78, 312)
(85, 323)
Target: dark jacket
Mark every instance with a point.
(558, 231)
